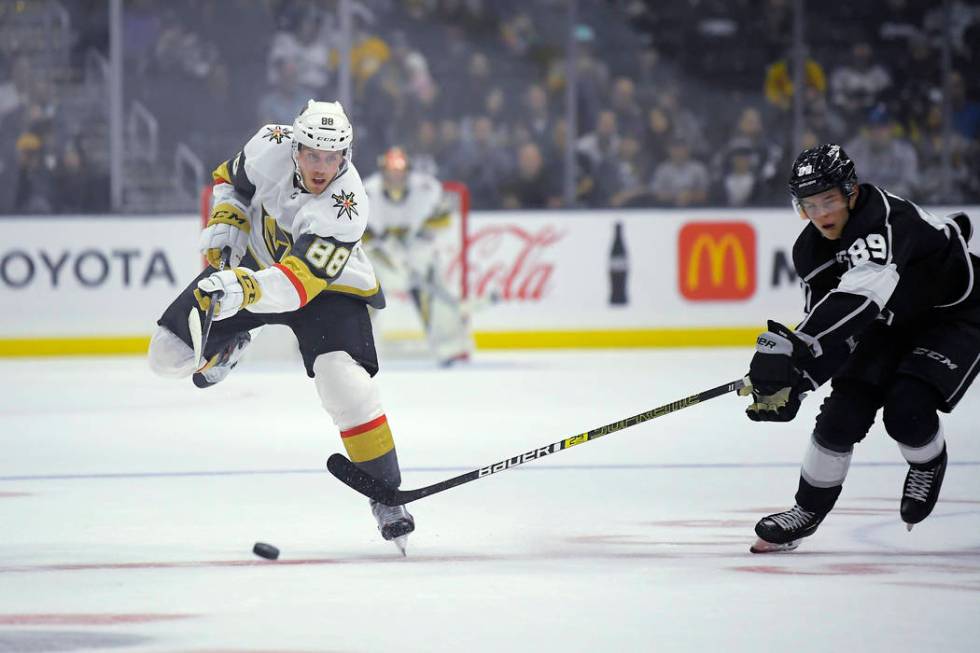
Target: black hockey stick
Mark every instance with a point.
(341, 467)
(200, 330)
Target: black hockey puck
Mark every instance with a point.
(266, 551)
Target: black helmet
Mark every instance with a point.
(822, 168)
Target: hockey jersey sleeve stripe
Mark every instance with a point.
(858, 312)
(295, 280)
(221, 175)
(808, 278)
(955, 229)
(872, 280)
(888, 222)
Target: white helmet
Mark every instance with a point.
(323, 126)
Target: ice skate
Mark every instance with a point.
(219, 365)
(921, 489)
(783, 531)
(394, 522)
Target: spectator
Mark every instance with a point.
(81, 188)
(658, 134)
(930, 149)
(304, 45)
(890, 162)
(858, 85)
(33, 190)
(600, 150)
(921, 82)
(482, 164)
(629, 115)
(533, 185)
(15, 92)
(449, 140)
(685, 125)
(779, 80)
(473, 87)
(286, 98)
(424, 149)
(182, 52)
(823, 119)
(739, 184)
(536, 117)
(680, 181)
(496, 107)
(519, 35)
(632, 172)
(751, 140)
(966, 111)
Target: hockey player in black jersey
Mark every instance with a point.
(892, 319)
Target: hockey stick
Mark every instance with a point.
(200, 330)
(345, 471)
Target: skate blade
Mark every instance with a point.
(761, 546)
(402, 543)
(909, 526)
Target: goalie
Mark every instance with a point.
(408, 212)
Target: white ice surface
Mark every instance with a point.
(129, 505)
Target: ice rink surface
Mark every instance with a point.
(129, 505)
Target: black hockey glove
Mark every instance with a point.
(777, 375)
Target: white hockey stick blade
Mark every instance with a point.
(194, 326)
(761, 546)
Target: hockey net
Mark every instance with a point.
(398, 329)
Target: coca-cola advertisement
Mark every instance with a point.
(508, 261)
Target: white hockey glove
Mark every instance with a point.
(228, 227)
(233, 290)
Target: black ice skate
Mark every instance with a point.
(394, 522)
(783, 531)
(219, 365)
(921, 490)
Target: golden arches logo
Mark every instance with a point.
(716, 260)
(717, 249)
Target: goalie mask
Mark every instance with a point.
(394, 165)
(322, 126)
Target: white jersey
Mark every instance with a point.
(409, 214)
(304, 244)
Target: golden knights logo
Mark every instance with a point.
(345, 202)
(277, 133)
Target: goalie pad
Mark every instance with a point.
(447, 325)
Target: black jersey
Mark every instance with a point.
(894, 262)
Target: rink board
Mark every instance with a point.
(700, 277)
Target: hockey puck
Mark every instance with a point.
(266, 551)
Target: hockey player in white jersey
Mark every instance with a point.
(408, 210)
(288, 213)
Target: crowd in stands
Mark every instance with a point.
(681, 103)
